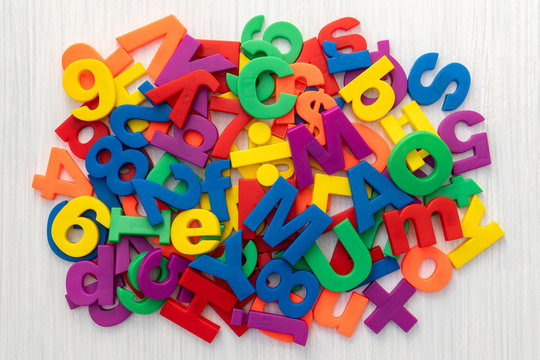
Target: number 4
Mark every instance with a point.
(51, 184)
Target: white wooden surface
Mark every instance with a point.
(489, 309)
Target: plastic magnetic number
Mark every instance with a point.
(149, 191)
(51, 184)
(402, 176)
(87, 214)
(119, 158)
(280, 29)
(169, 28)
(287, 281)
(103, 88)
(478, 142)
(70, 215)
(371, 79)
(247, 89)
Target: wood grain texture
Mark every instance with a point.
(488, 311)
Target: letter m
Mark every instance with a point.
(313, 221)
(420, 216)
(337, 127)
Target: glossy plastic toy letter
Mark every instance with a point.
(404, 178)
(427, 95)
(479, 237)
(436, 281)
(390, 306)
(420, 216)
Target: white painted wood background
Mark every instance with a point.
(488, 310)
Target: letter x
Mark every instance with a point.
(390, 306)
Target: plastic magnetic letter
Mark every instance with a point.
(231, 269)
(190, 318)
(287, 281)
(436, 281)
(478, 142)
(313, 221)
(160, 290)
(347, 321)
(162, 171)
(389, 194)
(336, 128)
(341, 62)
(371, 79)
(390, 306)
(355, 42)
(119, 158)
(404, 178)
(277, 323)
(251, 255)
(70, 215)
(103, 88)
(412, 115)
(150, 191)
(104, 273)
(177, 145)
(326, 185)
(145, 305)
(459, 190)
(479, 237)
(357, 250)
(247, 88)
(181, 62)
(427, 95)
(51, 185)
(124, 113)
(185, 89)
(215, 185)
(420, 216)
(107, 317)
(138, 225)
(181, 231)
(70, 129)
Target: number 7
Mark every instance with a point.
(169, 28)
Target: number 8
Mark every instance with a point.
(287, 281)
(103, 88)
(119, 158)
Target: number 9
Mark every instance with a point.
(70, 215)
(103, 88)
